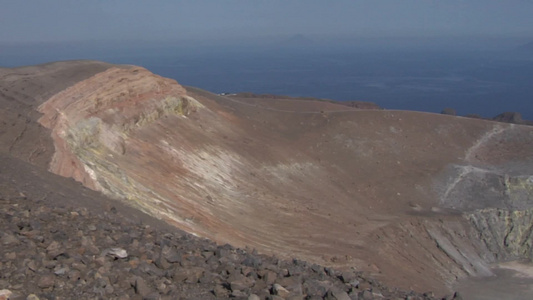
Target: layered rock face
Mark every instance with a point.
(508, 235)
(97, 115)
(92, 123)
(386, 192)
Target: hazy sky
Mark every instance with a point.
(57, 20)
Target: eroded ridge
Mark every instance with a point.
(92, 121)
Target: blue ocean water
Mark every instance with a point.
(469, 83)
(472, 82)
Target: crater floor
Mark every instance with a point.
(513, 281)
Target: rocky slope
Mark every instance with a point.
(386, 192)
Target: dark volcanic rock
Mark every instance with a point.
(141, 287)
(157, 264)
(337, 294)
(46, 281)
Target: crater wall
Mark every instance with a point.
(433, 197)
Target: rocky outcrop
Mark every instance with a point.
(513, 118)
(467, 245)
(509, 117)
(94, 118)
(507, 234)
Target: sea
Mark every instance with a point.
(482, 80)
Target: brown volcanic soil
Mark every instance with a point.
(376, 190)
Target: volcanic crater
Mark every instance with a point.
(418, 200)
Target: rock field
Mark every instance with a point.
(60, 252)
